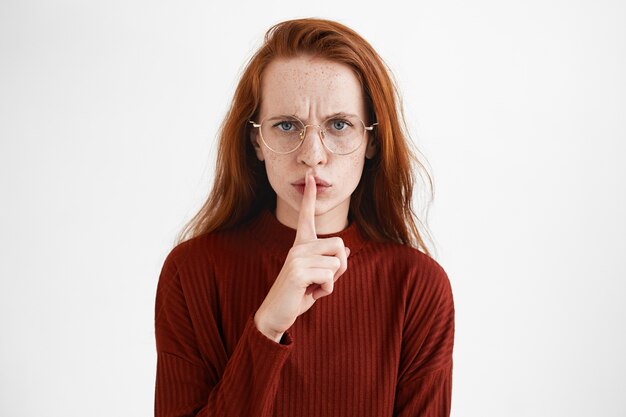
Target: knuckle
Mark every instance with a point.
(330, 276)
(338, 241)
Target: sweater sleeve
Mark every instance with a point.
(189, 383)
(424, 386)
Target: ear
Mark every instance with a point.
(371, 149)
(254, 139)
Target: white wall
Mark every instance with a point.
(108, 114)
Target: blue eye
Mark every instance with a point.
(340, 124)
(284, 126)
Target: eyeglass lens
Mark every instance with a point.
(340, 134)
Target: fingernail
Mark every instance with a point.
(347, 251)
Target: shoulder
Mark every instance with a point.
(208, 246)
(423, 282)
(404, 257)
(408, 267)
(193, 262)
(200, 255)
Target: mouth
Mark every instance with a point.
(321, 185)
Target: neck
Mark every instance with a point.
(277, 238)
(328, 222)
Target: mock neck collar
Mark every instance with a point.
(279, 238)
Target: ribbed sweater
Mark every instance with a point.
(379, 345)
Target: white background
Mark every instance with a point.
(108, 116)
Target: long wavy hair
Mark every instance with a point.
(382, 203)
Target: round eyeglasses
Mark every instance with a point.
(341, 135)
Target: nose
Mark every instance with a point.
(312, 151)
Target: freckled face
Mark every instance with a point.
(312, 89)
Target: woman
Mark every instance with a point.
(300, 289)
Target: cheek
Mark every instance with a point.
(351, 171)
(275, 168)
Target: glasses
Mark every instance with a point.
(341, 135)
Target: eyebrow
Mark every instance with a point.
(338, 114)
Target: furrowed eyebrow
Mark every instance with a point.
(338, 114)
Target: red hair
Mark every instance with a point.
(382, 202)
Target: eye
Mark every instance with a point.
(339, 124)
(285, 126)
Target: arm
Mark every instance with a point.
(190, 384)
(425, 379)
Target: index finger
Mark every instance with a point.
(306, 218)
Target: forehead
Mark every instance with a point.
(310, 87)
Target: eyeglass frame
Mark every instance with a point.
(302, 134)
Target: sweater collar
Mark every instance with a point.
(279, 238)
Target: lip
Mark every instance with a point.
(321, 188)
(318, 181)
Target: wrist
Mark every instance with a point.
(265, 330)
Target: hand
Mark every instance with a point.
(309, 272)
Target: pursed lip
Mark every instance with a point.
(321, 186)
(318, 182)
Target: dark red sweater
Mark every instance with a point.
(379, 345)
